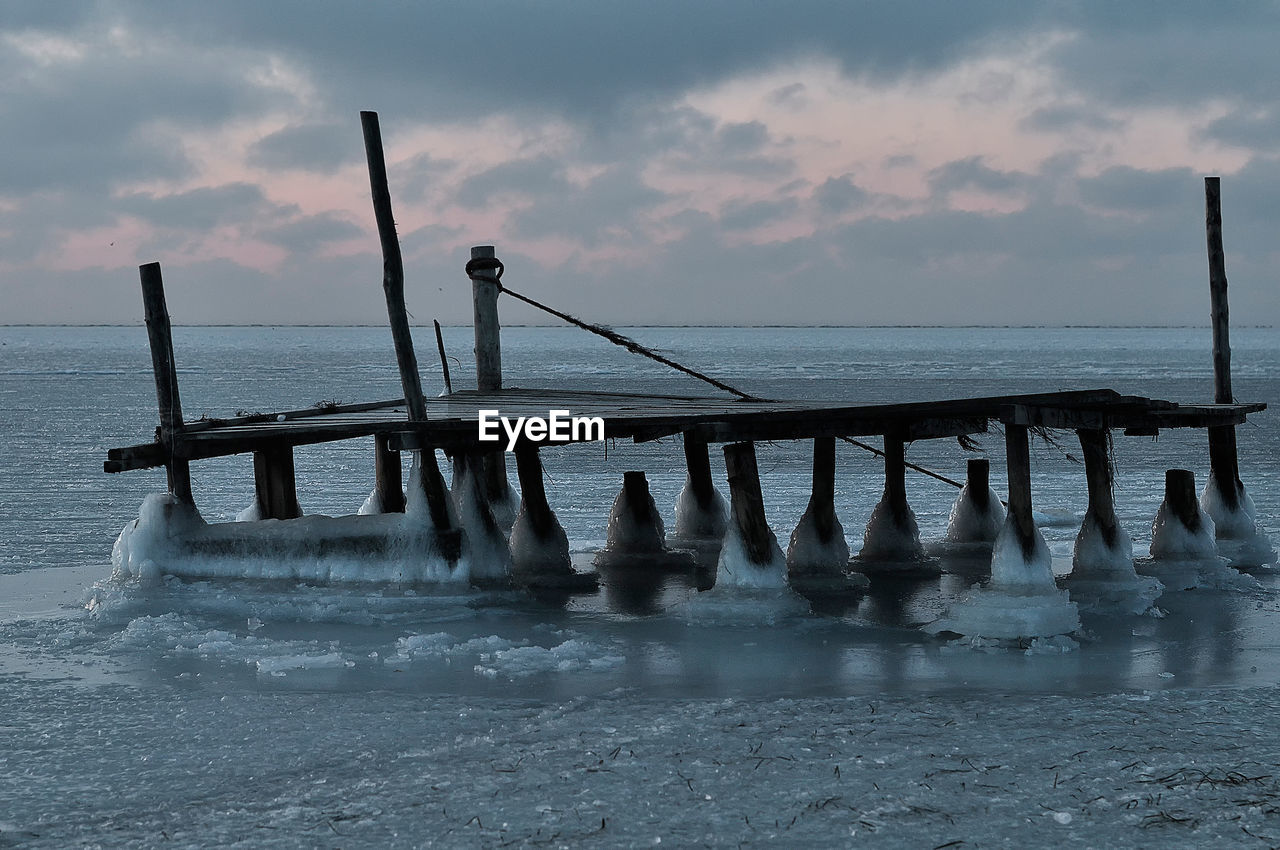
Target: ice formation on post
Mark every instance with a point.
(1239, 539)
(1020, 602)
(699, 523)
(489, 555)
(977, 513)
(1184, 553)
(637, 536)
(1103, 579)
(892, 534)
(818, 555)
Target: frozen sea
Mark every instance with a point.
(241, 713)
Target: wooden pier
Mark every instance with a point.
(451, 423)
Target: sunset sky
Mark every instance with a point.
(659, 162)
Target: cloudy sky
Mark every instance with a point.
(806, 162)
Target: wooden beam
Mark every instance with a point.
(274, 483)
(160, 338)
(388, 476)
(1095, 445)
(1018, 455)
(406, 359)
(822, 497)
(1180, 496)
(747, 502)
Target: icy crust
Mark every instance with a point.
(807, 555)
(1183, 559)
(974, 523)
(371, 505)
(488, 554)
(254, 512)
(1238, 536)
(499, 657)
(1021, 602)
(532, 554)
(888, 540)
(170, 537)
(735, 569)
(1103, 579)
(695, 524)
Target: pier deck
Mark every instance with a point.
(451, 422)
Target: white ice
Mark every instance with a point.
(1239, 538)
(1103, 579)
(1021, 601)
(974, 523)
(809, 555)
(695, 524)
(887, 539)
(1183, 559)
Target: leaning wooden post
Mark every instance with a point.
(274, 482)
(1018, 455)
(160, 337)
(1223, 461)
(488, 351)
(1096, 448)
(388, 476)
(393, 286)
(746, 503)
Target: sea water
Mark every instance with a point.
(288, 713)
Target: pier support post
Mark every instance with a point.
(388, 477)
(976, 515)
(274, 483)
(747, 504)
(1180, 496)
(488, 353)
(490, 556)
(701, 514)
(448, 537)
(892, 534)
(1223, 459)
(1095, 445)
(817, 549)
(635, 526)
(539, 546)
(978, 480)
(1018, 456)
(160, 337)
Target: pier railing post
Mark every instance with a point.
(1223, 460)
(411, 381)
(488, 352)
(160, 337)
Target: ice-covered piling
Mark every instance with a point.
(539, 545)
(1184, 554)
(637, 536)
(388, 492)
(977, 513)
(818, 555)
(701, 512)
(274, 484)
(1236, 530)
(750, 555)
(487, 551)
(1103, 579)
(892, 537)
(1021, 601)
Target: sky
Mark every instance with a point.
(809, 162)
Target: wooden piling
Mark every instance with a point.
(533, 493)
(275, 484)
(747, 502)
(393, 288)
(388, 476)
(1180, 496)
(1095, 444)
(822, 498)
(160, 338)
(1223, 459)
(698, 462)
(895, 476)
(978, 480)
(1018, 457)
(488, 352)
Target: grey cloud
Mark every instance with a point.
(757, 214)
(611, 203)
(840, 194)
(743, 138)
(523, 176)
(1258, 129)
(202, 209)
(973, 173)
(1053, 119)
(1137, 190)
(307, 234)
(321, 146)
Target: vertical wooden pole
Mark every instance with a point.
(698, 463)
(488, 351)
(1095, 444)
(444, 359)
(160, 337)
(895, 475)
(1180, 496)
(275, 484)
(406, 359)
(978, 479)
(822, 499)
(1018, 455)
(532, 490)
(1223, 460)
(388, 476)
(746, 502)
